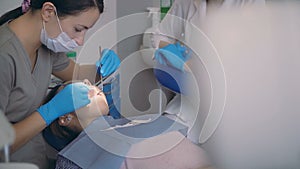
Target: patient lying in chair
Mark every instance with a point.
(64, 129)
(143, 155)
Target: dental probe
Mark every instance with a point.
(101, 79)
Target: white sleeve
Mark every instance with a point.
(172, 26)
(241, 3)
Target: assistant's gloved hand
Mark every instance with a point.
(174, 55)
(71, 98)
(108, 63)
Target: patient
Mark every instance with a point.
(66, 128)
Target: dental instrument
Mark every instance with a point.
(130, 123)
(104, 80)
(101, 78)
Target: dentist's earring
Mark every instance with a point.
(69, 118)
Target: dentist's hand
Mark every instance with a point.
(174, 55)
(71, 98)
(108, 63)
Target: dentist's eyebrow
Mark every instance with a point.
(85, 27)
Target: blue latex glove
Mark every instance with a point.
(174, 55)
(71, 98)
(108, 63)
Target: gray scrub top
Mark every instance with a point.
(22, 90)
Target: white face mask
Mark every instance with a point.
(62, 43)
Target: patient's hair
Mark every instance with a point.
(56, 135)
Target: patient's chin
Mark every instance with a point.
(102, 106)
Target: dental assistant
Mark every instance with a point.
(191, 12)
(171, 32)
(33, 42)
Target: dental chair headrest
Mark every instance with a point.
(54, 141)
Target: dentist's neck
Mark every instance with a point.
(27, 28)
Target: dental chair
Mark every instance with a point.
(7, 136)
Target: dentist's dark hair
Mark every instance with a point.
(64, 8)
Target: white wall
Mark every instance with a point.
(132, 21)
(7, 5)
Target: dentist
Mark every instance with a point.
(33, 42)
